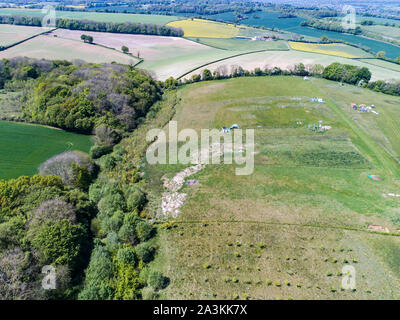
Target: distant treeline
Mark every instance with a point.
(336, 27)
(86, 25)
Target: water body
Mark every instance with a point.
(271, 20)
(24, 147)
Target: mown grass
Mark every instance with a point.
(286, 230)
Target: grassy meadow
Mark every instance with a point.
(23, 147)
(287, 230)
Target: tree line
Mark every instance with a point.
(87, 25)
(336, 72)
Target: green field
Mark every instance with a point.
(242, 44)
(287, 230)
(10, 34)
(24, 147)
(94, 16)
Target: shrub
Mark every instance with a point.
(60, 243)
(157, 281)
(97, 151)
(144, 231)
(127, 255)
(135, 198)
(111, 203)
(145, 252)
(62, 165)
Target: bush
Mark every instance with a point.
(157, 281)
(144, 231)
(135, 198)
(110, 203)
(145, 252)
(66, 165)
(127, 255)
(60, 243)
(127, 234)
(97, 151)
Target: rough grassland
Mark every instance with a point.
(333, 49)
(287, 230)
(205, 28)
(94, 16)
(51, 48)
(384, 127)
(287, 59)
(24, 147)
(10, 34)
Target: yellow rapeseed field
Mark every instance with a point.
(334, 49)
(205, 29)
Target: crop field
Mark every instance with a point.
(287, 230)
(334, 49)
(205, 28)
(24, 147)
(94, 16)
(10, 34)
(52, 48)
(287, 59)
(150, 48)
(242, 44)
